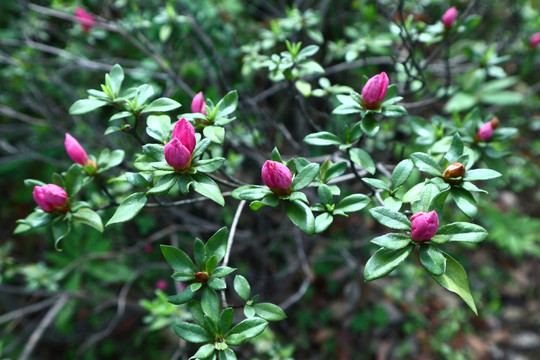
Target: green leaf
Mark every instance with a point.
(214, 133)
(322, 138)
(74, 180)
(210, 302)
(459, 102)
(391, 219)
(465, 201)
(85, 106)
(251, 192)
(155, 151)
(370, 126)
(199, 253)
(425, 163)
(392, 241)
(301, 216)
(159, 127)
(35, 219)
(195, 309)
(362, 158)
(393, 111)
(235, 339)
(109, 159)
(413, 193)
(481, 174)
(376, 183)
(204, 352)
(269, 311)
(200, 148)
(178, 259)
(322, 222)
(217, 284)
(183, 297)
(88, 217)
(305, 177)
(210, 264)
(401, 173)
(335, 170)
(207, 187)
(60, 230)
(210, 324)
(455, 150)
(432, 259)
(164, 184)
(249, 327)
(209, 165)
(463, 231)
(136, 179)
(325, 194)
(222, 271)
(352, 203)
(129, 208)
(227, 105)
(116, 77)
(227, 354)
(225, 320)
(217, 244)
(385, 261)
(192, 332)
(242, 288)
(455, 280)
(183, 276)
(161, 105)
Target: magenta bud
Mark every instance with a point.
(374, 91)
(161, 284)
(534, 40)
(485, 132)
(449, 17)
(198, 105)
(51, 198)
(277, 177)
(424, 225)
(177, 155)
(86, 19)
(75, 150)
(184, 131)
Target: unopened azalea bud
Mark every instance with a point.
(51, 198)
(184, 131)
(424, 225)
(86, 19)
(201, 277)
(454, 172)
(177, 155)
(75, 151)
(198, 105)
(161, 284)
(485, 132)
(449, 17)
(277, 177)
(494, 122)
(534, 40)
(374, 91)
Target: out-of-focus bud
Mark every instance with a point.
(277, 177)
(449, 17)
(148, 248)
(454, 173)
(51, 198)
(534, 40)
(177, 155)
(374, 91)
(486, 131)
(75, 150)
(201, 277)
(86, 19)
(424, 225)
(161, 284)
(184, 131)
(494, 122)
(198, 105)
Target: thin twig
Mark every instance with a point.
(230, 241)
(43, 324)
(27, 310)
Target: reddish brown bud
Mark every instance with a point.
(454, 173)
(201, 277)
(494, 122)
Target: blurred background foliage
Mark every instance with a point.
(106, 285)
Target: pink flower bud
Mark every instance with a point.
(184, 131)
(534, 40)
(51, 198)
(161, 284)
(86, 19)
(485, 132)
(148, 248)
(374, 91)
(198, 105)
(277, 177)
(75, 150)
(424, 225)
(177, 155)
(449, 17)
